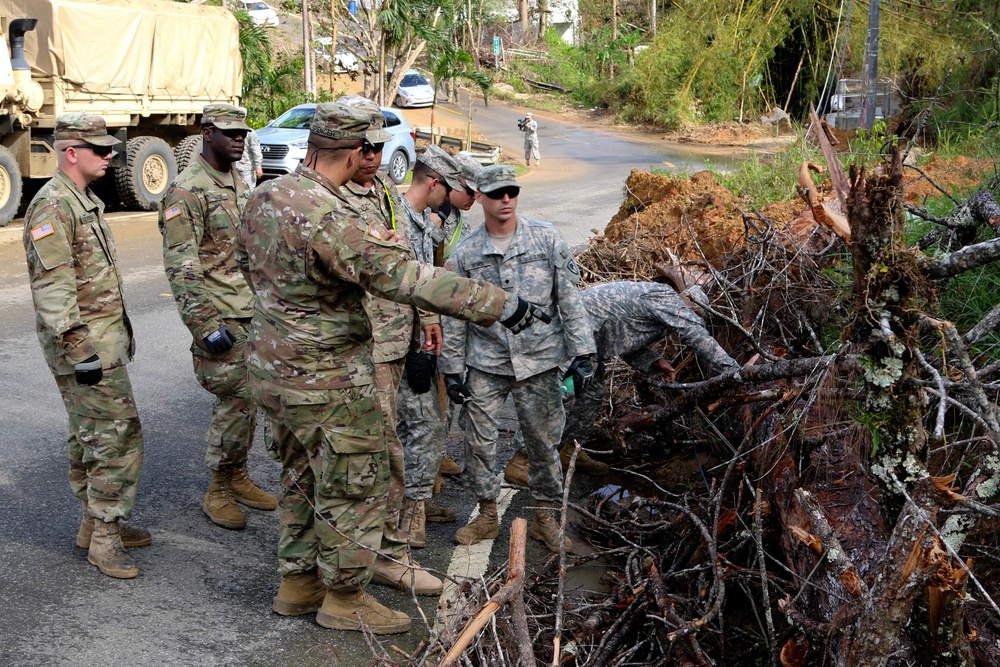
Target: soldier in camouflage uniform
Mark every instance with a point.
(421, 425)
(198, 220)
(87, 340)
(395, 333)
(310, 257)
(627, 318)
(530, 257)
(250, 166)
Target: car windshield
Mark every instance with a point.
(295, 119)
(414, 80)
(256, 5)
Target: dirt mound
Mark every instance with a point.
(956, 176)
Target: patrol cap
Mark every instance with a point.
(375, 133)
(469, 167)
(85, 127)
(224, 117)
(497, 176)
(435, 158)
(339, 121)
(528, 115)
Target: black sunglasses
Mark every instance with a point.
(100, 151)
(469, 191)
(511, 191)
(368, 147)
(232, 134)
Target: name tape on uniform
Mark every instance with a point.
(41, 231)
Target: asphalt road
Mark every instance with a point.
(204, 593)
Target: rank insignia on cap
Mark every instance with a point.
(172, 212)
(41, 231)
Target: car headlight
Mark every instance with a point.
(301, 143)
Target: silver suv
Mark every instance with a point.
(283, 142)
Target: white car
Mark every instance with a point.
(414, 91)
(260, 13)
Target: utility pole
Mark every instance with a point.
(869, 76)
(652, 16)
(307, 50)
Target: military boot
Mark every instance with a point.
(437, 514)
(357, 610)
(584, 463)
(219, 505)
(132, 537)
(299, 593)
(545, 527)
(485, 526)
(449, 466)
(516, 471)
(247, 492)
(405, 576)
(413, 522)
(108, 553)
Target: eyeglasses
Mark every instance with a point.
(368, 147)
(469, 191)
(512, 191)
(100, 151)
(234, 133)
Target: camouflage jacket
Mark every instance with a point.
(539, 267)
(424, 234)
(393, 324)
(74, 277)
(310, 257)
(252, 158)
(629, 316)
(456, 228)
(198, 220)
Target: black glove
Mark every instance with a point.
(582, 369)
(220, 341)
(89, 371)
(444, 210)
(457, 391)
(421, 369)
(524, 315)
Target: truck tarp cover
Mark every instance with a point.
(153, 48)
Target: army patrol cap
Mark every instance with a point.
(339, 121)
(224, 117)
(435, 158)
(85, 127)
(497, 176)
(375, 133)
(469, 168)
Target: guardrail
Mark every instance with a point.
(479, 150)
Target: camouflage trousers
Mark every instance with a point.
(421, 429)
(538, 402)
(234, 416)
(531, 150)
(105, 443)
(387, 380)
(334, 479)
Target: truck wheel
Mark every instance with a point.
(150, 169)
(10, 186)
(399, 164)
(186, 150)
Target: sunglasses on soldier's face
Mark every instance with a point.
(368, 148)
(469, 191)
(232, 134)
(511, 191)
(99, 151)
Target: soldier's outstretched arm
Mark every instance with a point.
(577, 331)
(52, 274)
(665, 305)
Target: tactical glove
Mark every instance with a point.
(421, 369)
(89, 371)
(457, 391)
(519, 315)
(582, 369)
(220, 341)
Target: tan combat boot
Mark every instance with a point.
(108, 553)
(352, 611)
(219, 505)
(516, 471)
(299, 593)
(545, 527)
(248, 493)
(408, 577)
(132, 537)
(584, 463)
(437, 514)
(484, 527)
(412, 521)
(449, 466)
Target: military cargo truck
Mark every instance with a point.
(147, 66)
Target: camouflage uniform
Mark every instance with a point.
(311, 257)
(252, 159)
(530, 129)
(198, 220)
(539, 267)
(79, 312)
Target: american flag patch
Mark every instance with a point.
(41, 231)
(374, 232)
(172, 212)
